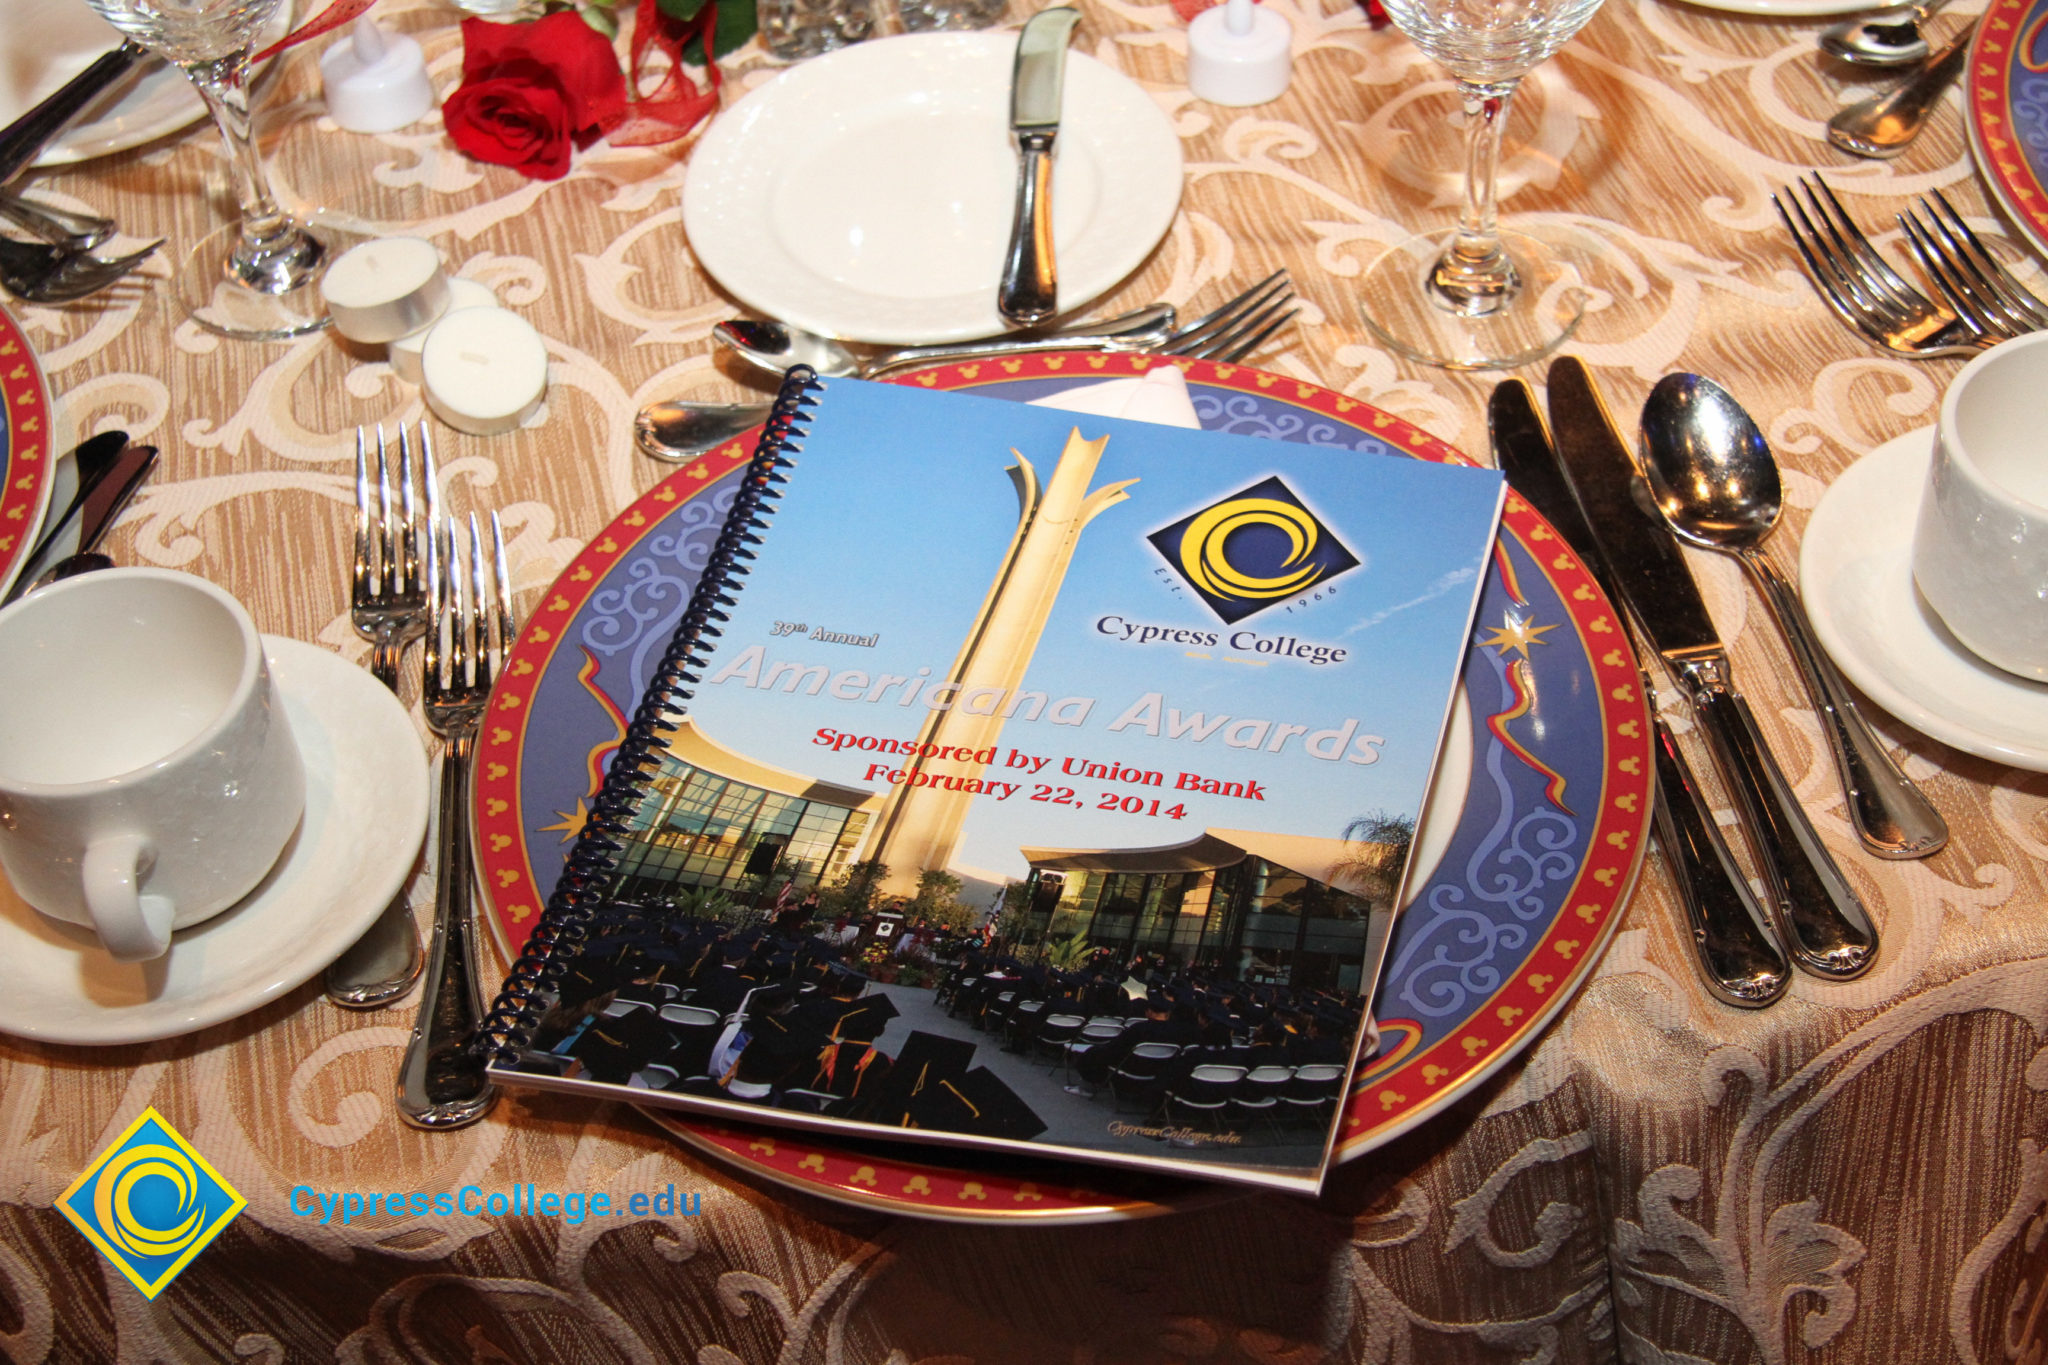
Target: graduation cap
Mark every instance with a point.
(976, 1103)
(924, 1060)
(864, 1019)
(612, 1049)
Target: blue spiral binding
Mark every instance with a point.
(564, 922)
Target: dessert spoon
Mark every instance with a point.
(1889, 37)
(1714, 479)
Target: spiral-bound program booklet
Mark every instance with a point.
(1161, 706)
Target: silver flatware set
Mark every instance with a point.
(680, 431)
(410, 580)
(1624, 517)
(1980, 303)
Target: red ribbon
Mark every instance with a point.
(676, 105)
(328, 20)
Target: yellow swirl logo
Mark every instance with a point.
(1205, 555)
(150, 1203)
(1253, 549)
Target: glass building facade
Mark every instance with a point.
(1250, 918)
(698, 828)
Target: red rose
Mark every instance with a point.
(530, 90)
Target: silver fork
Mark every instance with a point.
(1969, 276)
(441, 1081)
(388, 606)
(387, 595)
(39, 273)
(59, 227)
(1861, 287)
(680, 432)
(1229, 332)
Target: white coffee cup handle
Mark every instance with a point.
(133, 927)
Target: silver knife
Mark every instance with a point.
(1029, 293)
(1818, 915)
(1732, 947)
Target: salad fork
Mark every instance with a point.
(1969, 276)
(441, 1082)
(59, 227)
(387, 595)
(388, 607)
(1861, 287)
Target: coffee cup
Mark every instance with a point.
(148, 776)
(1980, 552)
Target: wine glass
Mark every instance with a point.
(1480, 297)
(258, 278)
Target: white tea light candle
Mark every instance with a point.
(404, 353)
(376, 80)
(485, 370)
(382, 289)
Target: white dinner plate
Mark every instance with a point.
(366, 812)
(868, 193)
(44, 43)
(1856, 572)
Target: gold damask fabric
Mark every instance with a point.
(1857, 1174)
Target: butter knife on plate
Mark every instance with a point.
(1818, 915)
(1738, 961)
(1029, 293)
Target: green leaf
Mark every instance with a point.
(603, 20)
(680, 9)
(736, 24)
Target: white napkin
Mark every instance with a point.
(1159, 395)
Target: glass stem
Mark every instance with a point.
(1475, 276)
(274, 254)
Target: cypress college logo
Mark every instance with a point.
(1252, 549)
(150, 1203)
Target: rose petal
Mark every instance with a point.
(584, 65)
(516, 121)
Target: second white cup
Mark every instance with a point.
(148, 776)
(1980, 552)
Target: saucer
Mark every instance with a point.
(366, 813)
(1856, 572)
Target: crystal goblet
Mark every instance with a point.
(257, 279)
(1480, 297)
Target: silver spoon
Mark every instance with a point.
(1714, 479)
(1890, 37)
(1885, 125)
(71, 566)
(775, 346)
(679, 431)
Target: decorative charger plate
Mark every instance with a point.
(869, 193)
(1527, 890)
(2008, 104)
(26, 459)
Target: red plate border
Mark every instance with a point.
(1999, 158)
(26, 462)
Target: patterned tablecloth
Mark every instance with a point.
(1857, 1174)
